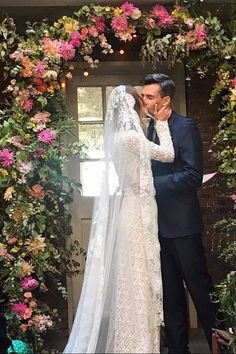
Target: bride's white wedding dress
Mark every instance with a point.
(120, 309)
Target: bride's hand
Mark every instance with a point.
(163, 114)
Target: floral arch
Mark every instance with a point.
(32, 153)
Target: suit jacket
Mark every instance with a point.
(176, 183)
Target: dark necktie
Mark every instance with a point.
(152, 134)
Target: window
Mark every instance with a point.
(91, 103)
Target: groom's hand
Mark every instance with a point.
(163, 114)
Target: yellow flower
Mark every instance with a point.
(233, 95)
(36, 245)
(50, 89)
(71, 25)
(26, 269)
(117, 11)
(8, 193)
(17, 215)
(3, 172)
(15, 249)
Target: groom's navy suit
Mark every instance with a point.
(180, 225)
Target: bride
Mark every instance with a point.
(120, 308)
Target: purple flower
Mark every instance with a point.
(29, 283)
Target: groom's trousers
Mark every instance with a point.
(183, 259)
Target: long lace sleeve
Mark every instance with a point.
(165, 151)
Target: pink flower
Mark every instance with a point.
(46, 136)
(12, 241)
(200, 33)
(27, 313)
(119, 23)
(29, 283)
(7, 157)
(25, 167)
(92, 31)
(39, 69)
(75, 39)
(42, 117)
(151, 23)
(27, 105)
(15, 141)
(234, 81)
(67, 51)
(128, 8)
(99, 23)
(51, 47)
(5, 255)
(19, 308)
(127, 35)
(41, 322)
(84, 33)
(39, 152)
(23, 327)
(136, 14)
(189, 22)
(160, 12)
(28, 295)
(32, 304)
(193, 47)
(233, 197)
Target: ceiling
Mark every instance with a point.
(78, 3)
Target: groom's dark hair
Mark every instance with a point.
(166, 84)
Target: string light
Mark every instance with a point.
(121, 51)
(86, 73)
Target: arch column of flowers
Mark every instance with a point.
(34, 220)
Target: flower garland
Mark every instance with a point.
(34, 219)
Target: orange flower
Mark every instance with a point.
(23, 327)
(27, 67)
(26, 269)
(32, 304)
(84, 33)
(27, 313)
(37, 192)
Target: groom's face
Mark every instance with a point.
(152, 98)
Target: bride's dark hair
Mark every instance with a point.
(138, 104)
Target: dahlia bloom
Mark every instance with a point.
(7, 157)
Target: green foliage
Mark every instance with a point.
(34, 219)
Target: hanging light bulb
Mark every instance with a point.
(86, 73)
(63, 85)
(121, 51)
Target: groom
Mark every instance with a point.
(179, 219)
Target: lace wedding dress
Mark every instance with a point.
(120, 309)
